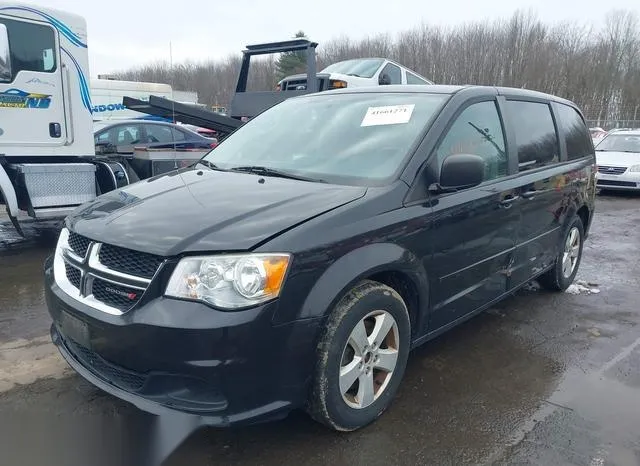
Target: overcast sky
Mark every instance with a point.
(125, 33)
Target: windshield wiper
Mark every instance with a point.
(266, 171)
(210, 165)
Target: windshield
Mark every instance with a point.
(365, 68)
(620, 143)
(358, 138)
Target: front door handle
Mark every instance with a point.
(529, 194)
(508, 200)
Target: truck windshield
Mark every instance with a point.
(360, 138)
(365, 68)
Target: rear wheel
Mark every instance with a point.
(361, 357)
(566, 265)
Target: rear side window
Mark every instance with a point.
(536, 137)
(178, 135)
(32, 47)
(575, 131)
(159, 133)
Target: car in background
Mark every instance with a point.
(359, 72)
(597, 134)
(206, 132)
(123, 136)
(618, 159)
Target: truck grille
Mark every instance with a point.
(611, 170)
(106, 277)
(294, 84)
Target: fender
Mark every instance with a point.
(9, 195)
(359, 264)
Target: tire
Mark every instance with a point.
(365, 307)
(556, 279)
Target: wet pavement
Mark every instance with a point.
(542, 378)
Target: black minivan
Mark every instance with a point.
(298, 263)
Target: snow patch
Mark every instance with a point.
(581, 287)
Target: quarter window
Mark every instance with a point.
(536, 137)
(32, 47)
(576, 133)
(413, 79)
(478, 131)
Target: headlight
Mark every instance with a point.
(229, 281)
(634, 168)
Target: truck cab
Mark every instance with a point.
(45, 112)
(357, 72)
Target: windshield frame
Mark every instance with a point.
(612, 136)
(380, 61)
(347, 180)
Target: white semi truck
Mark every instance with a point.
(48, 160)
(45, 113)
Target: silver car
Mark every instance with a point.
(618, 159)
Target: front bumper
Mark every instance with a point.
(625, 181)
(171, 355)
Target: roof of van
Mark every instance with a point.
(448, 89)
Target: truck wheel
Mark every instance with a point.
(566, 265)
(361, 357)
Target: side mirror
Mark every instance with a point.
(384, 79)
(5, 55)
(461, 171)
(105, 147)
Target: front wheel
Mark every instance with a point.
(566, 265)
(361, 357)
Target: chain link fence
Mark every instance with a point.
(608, 125)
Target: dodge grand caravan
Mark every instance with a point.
(298, 263)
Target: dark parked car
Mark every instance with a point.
(302, 259)
(122, 136)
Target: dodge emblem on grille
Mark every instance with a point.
(121, 293)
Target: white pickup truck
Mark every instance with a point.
(358, 72)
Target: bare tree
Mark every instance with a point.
(598, 69)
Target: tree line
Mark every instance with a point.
(598, 68)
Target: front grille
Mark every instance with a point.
(79, 244)
(119, 296)
(629, 184)
(608, 170)
(73, 275)
(131, 262)
(292, 84)
(118, 376)
(117, 277)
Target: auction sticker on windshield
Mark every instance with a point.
(389, 115)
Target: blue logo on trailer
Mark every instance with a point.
(108, 108)
(16, 98)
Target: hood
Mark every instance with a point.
(204, 210)
(617, 159)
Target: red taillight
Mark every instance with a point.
(213, 145)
